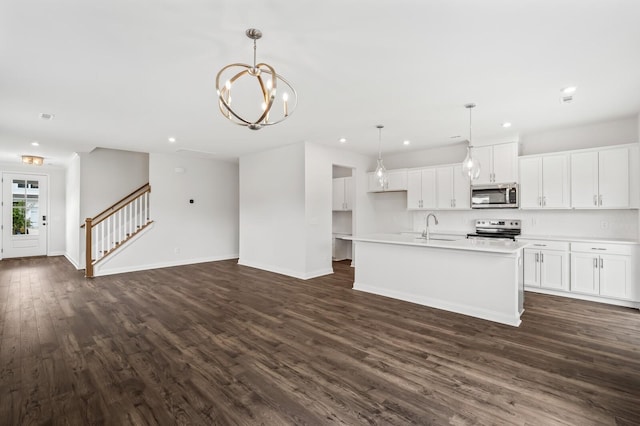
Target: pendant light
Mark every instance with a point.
(382, 175)
(470, 165)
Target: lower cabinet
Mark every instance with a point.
(604, 271)
(596, 273)
(546, 265)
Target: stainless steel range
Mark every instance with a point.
(501, 229)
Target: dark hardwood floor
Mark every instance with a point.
(218, 343)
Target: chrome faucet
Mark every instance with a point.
(425, 233)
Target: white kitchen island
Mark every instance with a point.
(480, 278)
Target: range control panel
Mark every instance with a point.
(498, 223)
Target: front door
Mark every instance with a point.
(24, 213)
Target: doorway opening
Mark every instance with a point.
(343, 206)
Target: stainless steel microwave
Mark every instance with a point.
(497, 196)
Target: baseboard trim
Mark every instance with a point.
(598, 299)
(106, 271)
(72, 261)
(285, 271)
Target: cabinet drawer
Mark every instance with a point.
(546, 245)
(598, 248)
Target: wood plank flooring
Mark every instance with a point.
(218, 343)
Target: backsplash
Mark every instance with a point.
(570, 223)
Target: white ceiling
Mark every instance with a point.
(129, 74)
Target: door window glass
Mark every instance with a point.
(26, 212)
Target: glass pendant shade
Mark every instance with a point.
(381, 174)
(470, 166)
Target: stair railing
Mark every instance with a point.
(115, 225)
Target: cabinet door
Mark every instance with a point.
(429, 189)
(397, 180)
(484, 154)
(348, 193)
(461, 189)
(554, 270)
(555, 182)
(444, 187)
(531, 268)
(613, 168)
(338, 194)
(584, 180)
(505, 163)
(531, 183)
(414, 189)
(585, 273)
(615, 278)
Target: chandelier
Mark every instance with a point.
(263, 106)
(470, 165)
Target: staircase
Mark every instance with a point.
(113, 227)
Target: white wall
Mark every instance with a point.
(107, 175)
(426, 157)
(614, 132)
(319, 162)
(73, 221)
(272, 210)
(286, 219)
(56, 224)
(185, 233)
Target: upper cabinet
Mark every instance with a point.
(498, 163)
(600, 179)
(421, 189)
(397, 181)
(452, 188)
(342, 194)
(544, 182)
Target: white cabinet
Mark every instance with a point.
(498, 163)
(546, 265)
(544, 182)
(421, 189)
(342, 194)
(397, 181)
(603, 270)
(600, 179)
(452, 188)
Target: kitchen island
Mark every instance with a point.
(480, 278)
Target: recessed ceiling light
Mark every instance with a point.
(46, 116)
(172, 139)
(568, 90)
(407, 142)
(343, 140)
(35, 143)
(506, 124)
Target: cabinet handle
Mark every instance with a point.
(600, 199)
(595, 262)
(537, 257)
(595, 200)
(544, 201)
(539, 201)
(598, 248)
(454, 202)
(540, 245)
(601, 263)
(541, 257)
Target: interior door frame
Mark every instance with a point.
(10, 174)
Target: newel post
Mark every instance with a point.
(88, 271)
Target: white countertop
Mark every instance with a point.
(505, 247)
(578, 239)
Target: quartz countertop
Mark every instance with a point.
(491, 246)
